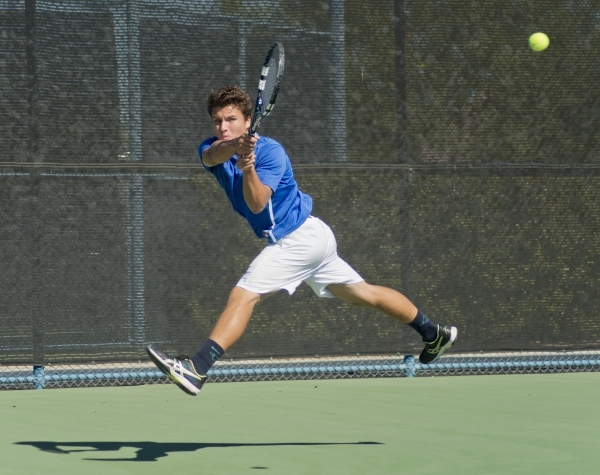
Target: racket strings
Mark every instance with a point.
(268, 86)
(271, 77)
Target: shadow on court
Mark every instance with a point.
(152, 451)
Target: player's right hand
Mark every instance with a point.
(245, 144)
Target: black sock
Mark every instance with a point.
(426, 328)
(208, 354)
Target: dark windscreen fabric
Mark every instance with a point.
(452, 162)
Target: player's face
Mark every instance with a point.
(229, 123)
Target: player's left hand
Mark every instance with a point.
(245, 163)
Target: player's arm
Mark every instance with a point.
(256, 193)
(222, 150)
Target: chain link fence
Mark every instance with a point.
(142, 373)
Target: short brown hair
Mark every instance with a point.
(230, 96)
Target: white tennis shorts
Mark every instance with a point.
(309, 254)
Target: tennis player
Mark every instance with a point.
(257, 178)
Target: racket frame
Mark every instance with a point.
(262, 110)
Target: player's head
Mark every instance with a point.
(230, 96)
(230, 109)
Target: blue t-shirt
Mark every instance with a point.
(287, 208)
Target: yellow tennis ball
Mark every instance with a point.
(539, 41)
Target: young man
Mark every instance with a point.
(257, 177)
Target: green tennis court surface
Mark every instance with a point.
(517, 424)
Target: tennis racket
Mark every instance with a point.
(268, 86)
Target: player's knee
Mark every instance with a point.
(239, 296)
(363, 296)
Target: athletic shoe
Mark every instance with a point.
(179, 369)
(446, 337)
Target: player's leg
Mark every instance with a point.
(233, 321)
(334, 277)
(281, 266)
(437, 338)
(190, 373)
(384, 299)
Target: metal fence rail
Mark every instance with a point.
(133, 374)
